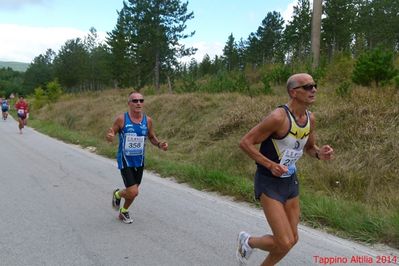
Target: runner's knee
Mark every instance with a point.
(132, 192)
(284, 246)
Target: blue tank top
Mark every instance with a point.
(4, 104)
(132, 143)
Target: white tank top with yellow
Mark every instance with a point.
(288, 149)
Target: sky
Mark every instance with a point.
(29, 27)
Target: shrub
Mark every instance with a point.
(340, 69)
(279, 74)
(221, 82)
(53, 90)
(50, 94)
(186, 84)
(376, 65)
(344, 89)
(240, 83)
(396, 81)
(40, 98)
(267, 89)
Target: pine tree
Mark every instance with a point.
(151, 30)
(297, 34)
(230, 53)
(122, 61)
(270, 35)
(338, 26)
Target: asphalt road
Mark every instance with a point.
(55, 209)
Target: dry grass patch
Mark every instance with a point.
(204, 129)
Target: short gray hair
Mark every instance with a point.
(294, 81)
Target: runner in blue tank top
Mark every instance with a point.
(133, 127)
(283, 137)
(5, 106)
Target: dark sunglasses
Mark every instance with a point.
(136, 100)
(307, 87)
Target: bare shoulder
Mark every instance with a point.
(277, 116)
(149, 120)
(120, 117)
(119, 120)
(273, 121)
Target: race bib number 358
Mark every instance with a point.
(134, 145)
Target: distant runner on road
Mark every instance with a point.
(5, 106)
(22, 108)
(283, 136)
(133, 127)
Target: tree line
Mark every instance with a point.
(144, 49)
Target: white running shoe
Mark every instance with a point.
(125, 217)
(244, 251)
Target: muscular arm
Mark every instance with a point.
(270, 125)
(153, 138)
(117, 125)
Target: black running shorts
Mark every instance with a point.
(132, 175)
(280, 189)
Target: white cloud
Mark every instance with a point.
(210, 48)
(24, 43)
(288, 12)
(17, 4)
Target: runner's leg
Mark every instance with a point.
(283, 237)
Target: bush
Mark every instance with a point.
(50, 94)
(220, 83)
(344, 89)
(340, 69)
(267, 89)
(186, 84)
(279, 74)
(53, 90)
(240, 83)
(396, 81)
(40, 99)
(376, 65)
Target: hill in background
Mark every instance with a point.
(17, 66)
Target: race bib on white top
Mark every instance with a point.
(134, 145)
(290, 157)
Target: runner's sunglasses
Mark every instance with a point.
(136, 100)
(307, 87)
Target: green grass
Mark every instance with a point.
(355, 195)
(204, 179)
(349, 219)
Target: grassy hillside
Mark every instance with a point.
(355, 195)
(17, 66)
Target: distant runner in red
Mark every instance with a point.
(22, 108)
